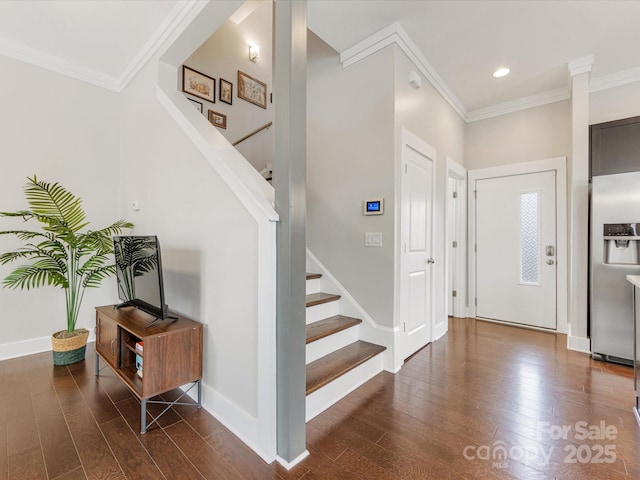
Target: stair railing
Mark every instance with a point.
(249, 135)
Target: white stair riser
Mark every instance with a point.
(322, 311)
(313, 286)
(333, 342)
(321, 399)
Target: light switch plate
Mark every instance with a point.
(373, 239)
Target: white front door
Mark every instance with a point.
(416, 242)
(516, 249)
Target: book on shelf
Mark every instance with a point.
(139, 346)
(139, 365)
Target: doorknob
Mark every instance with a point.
(431, 260)
(550, 262)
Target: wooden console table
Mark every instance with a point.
(171, 356)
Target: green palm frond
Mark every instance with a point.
(60, 255)
(93, 277)
(24, 234)
(55, 202)
(38, 274)
(95, 261)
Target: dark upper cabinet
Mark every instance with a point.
(615, 147)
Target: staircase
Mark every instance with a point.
(337, 360)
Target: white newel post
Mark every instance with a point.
(578, 178)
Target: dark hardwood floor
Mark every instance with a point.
(482, 390)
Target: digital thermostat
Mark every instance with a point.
(374, 207)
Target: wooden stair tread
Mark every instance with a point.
(319, 298)
(329, 326)
(336, 364)
(313, 276)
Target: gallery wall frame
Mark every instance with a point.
(198, 84)
(218, 119)
(196, 104)
(252, 90)
(225, 91)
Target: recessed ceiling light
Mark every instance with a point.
(501, 72)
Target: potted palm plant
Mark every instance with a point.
(61, 253)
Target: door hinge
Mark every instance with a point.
(475, 302)
(454, 294)
(455, 244)
(405, 168)
(404, 326)
(405, 247)
(475, 248)
(475, 194)
(455, 194)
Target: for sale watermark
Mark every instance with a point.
(599, 446)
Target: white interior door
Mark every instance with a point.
(516, 271)
(416, 282)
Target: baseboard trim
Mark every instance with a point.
(440, 330)
(241, 424)
(294, 462)
(31, 346)
(579, 344)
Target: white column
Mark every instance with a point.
(578, 179)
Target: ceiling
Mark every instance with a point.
(466, 41)
(99, 40)
(461, 41)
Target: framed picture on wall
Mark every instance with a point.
(225, 91)
(198, 84)
(252, 90)
(218, 119)
(196, 104)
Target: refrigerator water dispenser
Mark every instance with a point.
(621, 243)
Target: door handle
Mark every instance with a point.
(430, 261)
(550, 262)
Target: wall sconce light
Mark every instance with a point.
(254, 53)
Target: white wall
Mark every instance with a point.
(532, 134)
(208, 239)
(62, 130)
(350, 157)
(355, 118)
(218, 245)
(221, 56)
(426, 114)
(614, 103)
(112, 149)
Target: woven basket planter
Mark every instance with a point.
(69, 349)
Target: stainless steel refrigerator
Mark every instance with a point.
(615, 253)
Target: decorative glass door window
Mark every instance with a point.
(530, 238)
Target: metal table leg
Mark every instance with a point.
(143, 416)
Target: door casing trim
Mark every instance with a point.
(559, 165)
(411, 140)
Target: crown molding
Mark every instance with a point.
(523, 103)
(56, 64)
(61, 66)
(580, 65)
(617, 79)
(395, 34)
(164, 31)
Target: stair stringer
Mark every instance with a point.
(370, 331)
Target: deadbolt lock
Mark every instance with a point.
(550, 250)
